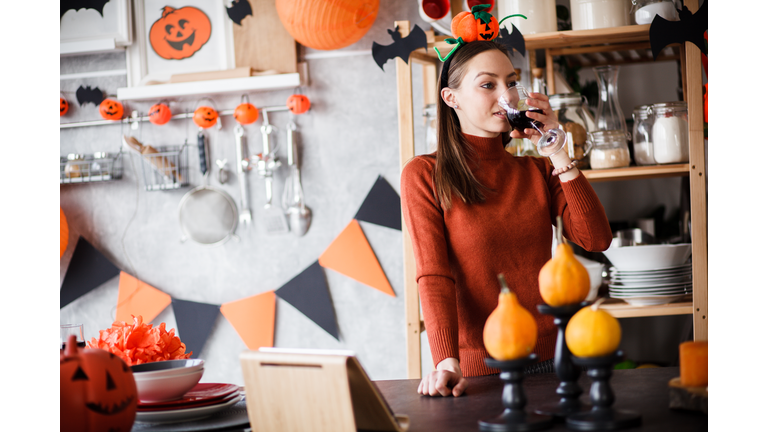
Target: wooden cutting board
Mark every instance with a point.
(261, 42)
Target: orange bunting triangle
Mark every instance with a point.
(351, 255)
(253, 318)
(137, 298)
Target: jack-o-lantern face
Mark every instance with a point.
(205, 117)
(63, 106)
(179, 33)
(111, 109)
(475, 25)
(98, 391)
(246, 113)
(298, 104)
(159, 114)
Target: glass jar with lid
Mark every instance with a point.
(670, 132)
(610, 149)
(73, 168)
(644, 11)
(577, 122)
(642, 131)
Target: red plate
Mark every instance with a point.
(202, 392)
(192, 405)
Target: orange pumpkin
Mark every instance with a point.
(63, 233)
(179, 33)
(593, 332)
(327, 25)
(205, 117)
(298, 104)
(159, 114)
(63, 106)
(510, 330)
(475, 25)
(246, 113)
(111, 109)
(563, 280)
(98, 391)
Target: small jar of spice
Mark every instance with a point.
(610, 150)
(642, 139)
(576, 121)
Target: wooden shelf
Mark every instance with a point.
(620, 309)
(221, 86)
(578, 38)
(637, 172)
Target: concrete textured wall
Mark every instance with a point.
(346, 141)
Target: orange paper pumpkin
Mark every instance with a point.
(159, 114)
(475, 25)
(111, 109)
(98, 391)
(205, 117)
(246, 113)
(179, 33)
(63, 106)
(325, 25)
(298, 104)
(63, 232)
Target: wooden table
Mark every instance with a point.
(641, 390)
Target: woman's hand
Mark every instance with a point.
(548, 119)
(445, 380)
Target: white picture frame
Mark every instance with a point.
(86, 30)
(146, 67)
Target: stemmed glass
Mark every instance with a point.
(72, 329)
(513, 102)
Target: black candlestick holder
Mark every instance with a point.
(515, 417)
(602, 416)
(569, 389)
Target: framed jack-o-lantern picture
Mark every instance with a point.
(179, 37)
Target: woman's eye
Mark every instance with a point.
(512, 84)
(487, 86)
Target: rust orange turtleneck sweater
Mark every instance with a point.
(460, 252)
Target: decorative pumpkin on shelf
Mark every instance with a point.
(205, 117)
(179, 33)
(160, 114)
(63, 232)
(98, 391)
(475, 25)
(63, 106)
(298, 103)
(111, 109)
(510, 330)
(563, 280)
(593, 332)
(246, 113)
(326, 25)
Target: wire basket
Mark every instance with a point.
(97, 167)
(165, 168)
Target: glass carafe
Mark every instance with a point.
(609, 116)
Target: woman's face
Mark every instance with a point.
(486, 77)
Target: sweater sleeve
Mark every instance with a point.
(437, 289)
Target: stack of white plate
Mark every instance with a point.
(650, 287)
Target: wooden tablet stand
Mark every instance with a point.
(313, 390)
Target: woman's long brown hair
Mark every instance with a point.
(452, 173)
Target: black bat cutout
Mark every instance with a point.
(691, 28)
(401, 47)
(514, 41)
(239, 10)
(88, 94)
(75, 5)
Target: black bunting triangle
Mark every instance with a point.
(195, 322)
(381, 206)
(308, 292)
(87, 270)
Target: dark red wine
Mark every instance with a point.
(518, 120)
(80, 344)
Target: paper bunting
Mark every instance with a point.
(381, 206)
(351, 255)
(87, 270)
(194, 322)
(135, 297)
(253, 318)
(308, 292)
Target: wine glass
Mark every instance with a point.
(72, 329)
(513, 102)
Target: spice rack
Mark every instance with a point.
(97, 167)
(631, 44)
(165, 169)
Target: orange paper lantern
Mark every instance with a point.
(63, 232)
(246, 113)
(205, 117)
(298, 104)
(159, 114)
(694, 371)
(111, 109)
(325, 25)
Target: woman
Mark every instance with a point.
(474, 211)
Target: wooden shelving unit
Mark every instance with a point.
(617, 45)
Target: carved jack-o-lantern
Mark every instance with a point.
(179, 33)
(205, 117)
(475, 25)
(159, 114)
(111, 109)
(63, 106)
(246, 113)
(63, 233)
(98, 391)
(298, 104)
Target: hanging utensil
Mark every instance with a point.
(242, 166)
(299, 215)
(274, 218)
(223, 173)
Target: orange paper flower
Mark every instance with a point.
(139, 343)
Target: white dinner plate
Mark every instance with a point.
(651, 301)
(651, 276)
(651, 271)
(649, 285)
(649, 291)
(650, 282)
(659, 294)
(189, 414)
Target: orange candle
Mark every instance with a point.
(693, 364)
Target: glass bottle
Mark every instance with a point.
(609, 116)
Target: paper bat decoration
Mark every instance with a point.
(97, 5)
(691, 28)
(401, 47)
(239, 10)
(88, 94)
(512, 41)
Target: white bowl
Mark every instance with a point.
(164, 389)
(166, 368)
(648, 257)
(595, 270)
